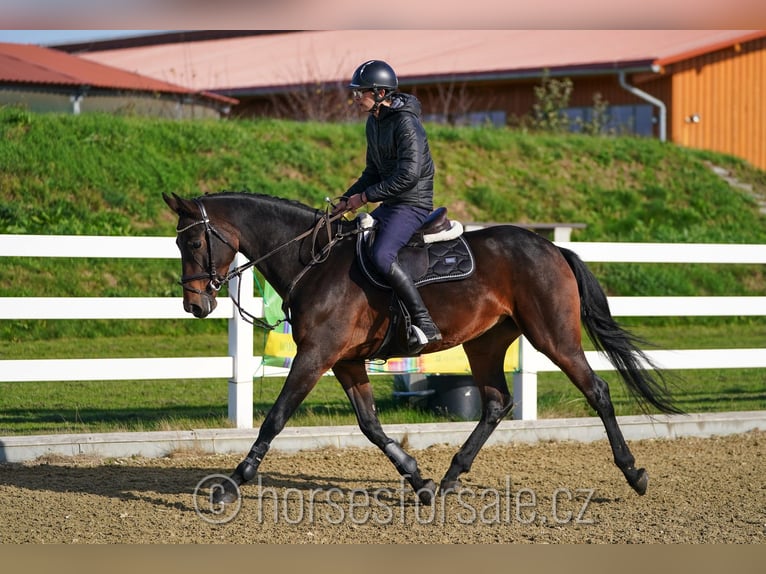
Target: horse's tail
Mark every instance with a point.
(620, 346)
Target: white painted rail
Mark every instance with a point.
(241, 366)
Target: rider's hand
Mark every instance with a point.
(356, 201)
(340, 207)
(351, 203)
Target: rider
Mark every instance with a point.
(399, 173)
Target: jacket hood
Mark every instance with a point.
(403, 103)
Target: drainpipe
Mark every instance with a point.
(77, 98)
(652, 100)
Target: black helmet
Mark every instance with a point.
(374, 74)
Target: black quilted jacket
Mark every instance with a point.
(399, 166)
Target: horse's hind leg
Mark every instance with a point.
(486, 356)
(596, 392)
(567, 354)
(355, 381)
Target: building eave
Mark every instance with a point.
(592, 70)
(680, 57)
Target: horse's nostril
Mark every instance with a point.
(200, 307)
(197, 311)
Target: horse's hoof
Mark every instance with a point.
(640, 481)
(225, 492)
(449, 486)
(427, 492)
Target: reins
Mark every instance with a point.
(218, 281)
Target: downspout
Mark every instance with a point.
(652, 100)
(77, 98)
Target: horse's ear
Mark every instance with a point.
(171, 201)
(177, 204)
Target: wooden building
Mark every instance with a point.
(45, 80)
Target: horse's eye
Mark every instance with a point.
(196, 244)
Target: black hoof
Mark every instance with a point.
(449, 486)
(427, 492)
(225, 492)
(639, 481)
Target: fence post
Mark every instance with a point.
(241, 350)
(525, 383)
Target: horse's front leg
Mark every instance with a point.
(353, 377)
(302, 377)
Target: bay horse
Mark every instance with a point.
(523, 285)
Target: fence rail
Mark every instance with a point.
(240, 367)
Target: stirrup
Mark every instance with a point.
(416, 340)
(419, 335)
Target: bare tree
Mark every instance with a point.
(314, 102)
(453, 101)
(308, 98)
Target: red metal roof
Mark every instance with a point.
(29, 64)
(265, 62)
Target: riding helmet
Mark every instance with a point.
(374, 74)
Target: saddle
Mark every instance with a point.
(435, 253)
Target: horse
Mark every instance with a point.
(523, 284)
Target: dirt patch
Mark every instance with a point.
(700, 491)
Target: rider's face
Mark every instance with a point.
(363, 99)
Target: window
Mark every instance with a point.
(625, 119)
(494, 118)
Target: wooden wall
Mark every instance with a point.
(719, 102)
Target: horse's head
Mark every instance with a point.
(206, 254)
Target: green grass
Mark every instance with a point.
(696, 391)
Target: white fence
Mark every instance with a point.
(241, 366)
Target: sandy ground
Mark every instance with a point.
(700, 491)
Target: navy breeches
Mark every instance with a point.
(396, 224)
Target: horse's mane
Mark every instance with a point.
(263, 198)
(278, 206)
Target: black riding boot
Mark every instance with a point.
(405, 289)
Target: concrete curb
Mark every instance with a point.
(17, 449)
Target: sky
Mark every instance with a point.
(352, 14)
(53, 37)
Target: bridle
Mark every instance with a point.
(216, 280)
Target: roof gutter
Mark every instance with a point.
(603, 69)
(649, 98)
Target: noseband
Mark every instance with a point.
(215, 280)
